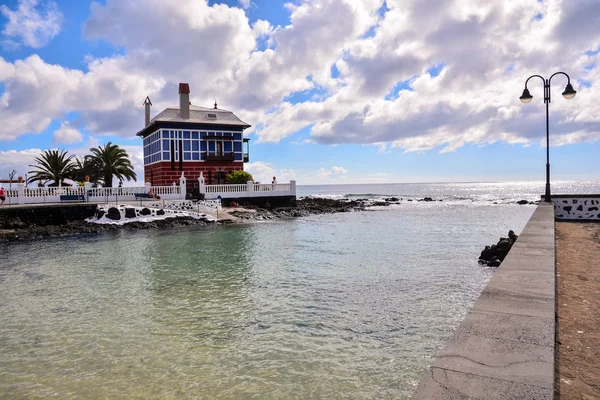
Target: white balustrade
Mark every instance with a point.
(26, 195)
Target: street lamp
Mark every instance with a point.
(526, 97)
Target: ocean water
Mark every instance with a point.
(342, 306)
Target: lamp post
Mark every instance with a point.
(526, 97)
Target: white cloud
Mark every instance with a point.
(67, 134)
(33, 23)
(382, 92)
(244, 3)
(334, 172)
(18, 161)
(264, 172)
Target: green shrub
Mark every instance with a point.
(239, 177)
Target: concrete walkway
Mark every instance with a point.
(504, 349)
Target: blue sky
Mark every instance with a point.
(336, 91)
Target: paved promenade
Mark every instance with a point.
(504, 349)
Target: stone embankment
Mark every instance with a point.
(504, 348)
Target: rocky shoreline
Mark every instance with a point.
(13, 229)
(15, 233)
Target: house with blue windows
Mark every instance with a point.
(192, 140)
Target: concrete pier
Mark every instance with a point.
(504, 349)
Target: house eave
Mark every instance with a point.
(188, 125)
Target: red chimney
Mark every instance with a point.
(184, 100)
(184, 88)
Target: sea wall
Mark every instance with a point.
(504, 348)
(44, 215)
(264, 202)
(577, 207)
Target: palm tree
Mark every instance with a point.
(86, 167)
(52, 165)
(112, 160)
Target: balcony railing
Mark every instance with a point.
(246, 157)
(218, 156)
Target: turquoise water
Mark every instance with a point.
(350, 305)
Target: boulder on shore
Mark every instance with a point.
(493, 255)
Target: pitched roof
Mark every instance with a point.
(200, 115)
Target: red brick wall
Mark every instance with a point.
(161, 174)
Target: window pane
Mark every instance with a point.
(194, 135)
(211, 146)
(186, 134)
(166, 156)
(202, 135)
(186, 145)
(237, 136)
(227, 147)
(237, 146)
(202, 146)
(195, 145)
(187, 155)
(195, 156)
(165, 145)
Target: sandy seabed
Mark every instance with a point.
(578, 307)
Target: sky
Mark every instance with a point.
(336, 91)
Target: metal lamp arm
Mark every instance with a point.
(539, 76)
(561, 73)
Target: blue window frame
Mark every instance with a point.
(196, 156)
(186, 145)
(202, 135)
(237, 146)
(186, 134)
(187, 156)
(194, 135)
(195, 145)
(166, 156)
(237, 156)
(202, 146)
(237, 136)
(165, 144)
(211, 146)
(227, 147)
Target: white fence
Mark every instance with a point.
(250, 189)
(33, 195)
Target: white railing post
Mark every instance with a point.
(250, 188)
(182, 186)
(20, 193)
(293, 187)
(88, 187)
(201, 186)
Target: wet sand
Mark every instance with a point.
(578, 308)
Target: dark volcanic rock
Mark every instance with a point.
(145, 211)
(304, 207)
(426, 199)
(160, 212)
(130, 212)
(14, 223)
(114, 214)
(521, 202)
(493, 255)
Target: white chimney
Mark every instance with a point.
(147, 103)
(184, 100)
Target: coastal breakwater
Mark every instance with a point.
(504, 348)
